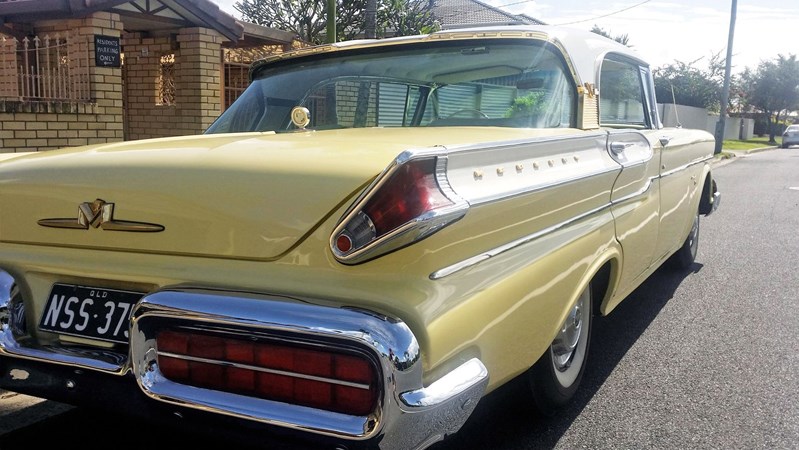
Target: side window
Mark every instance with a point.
(622, 102)
(649, 94)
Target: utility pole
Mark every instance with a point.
(370, 31)
(331, 21)
(725, 91)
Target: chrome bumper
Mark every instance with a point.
(409, 415)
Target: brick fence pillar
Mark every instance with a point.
(198, 71)
(105, 82)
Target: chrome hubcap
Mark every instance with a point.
(565, 343)
(693, 242)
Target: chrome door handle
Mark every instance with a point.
(619, 147)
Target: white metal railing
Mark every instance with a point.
(50, 68)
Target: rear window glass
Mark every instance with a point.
(505, 83)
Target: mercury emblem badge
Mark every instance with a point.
(99, 214)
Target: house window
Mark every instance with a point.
(166, 81)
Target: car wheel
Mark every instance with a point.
(686, 255)
(554, 379)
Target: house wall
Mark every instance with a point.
(34, 126)
(197, 81)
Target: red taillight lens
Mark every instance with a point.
(334, 381)
(406, 200)
(410, 192)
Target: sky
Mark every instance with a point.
(664, 31)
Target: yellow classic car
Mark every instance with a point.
(375, 235)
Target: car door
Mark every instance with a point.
(625, 111)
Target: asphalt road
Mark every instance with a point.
(706, 359)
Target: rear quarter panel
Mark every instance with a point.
(499, 281)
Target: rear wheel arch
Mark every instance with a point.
(601, 285)
(555, 378)
(604, 280)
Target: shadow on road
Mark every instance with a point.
(505, 419)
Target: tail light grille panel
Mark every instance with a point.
(293, 373)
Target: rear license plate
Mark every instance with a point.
(89, 312)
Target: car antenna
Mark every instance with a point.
(674, 105)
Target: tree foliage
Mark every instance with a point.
(773, 88)
(305, 18)
(404, 17)
(623, 39)
(308, 18)
(686, 84)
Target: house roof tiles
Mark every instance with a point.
(463, 13)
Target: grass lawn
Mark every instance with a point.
(755, 142)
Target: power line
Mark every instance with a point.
(608, 14)
(514, 3)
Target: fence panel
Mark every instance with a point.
(48, 68)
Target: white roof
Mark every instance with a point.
(585, 50)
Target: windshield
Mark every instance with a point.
(505, 83)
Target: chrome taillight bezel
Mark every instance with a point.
(274, 318)
(411, 231)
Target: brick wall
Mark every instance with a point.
(51, 126)
(197, 73)
(36, 126)
(347, 95)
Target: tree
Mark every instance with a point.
(774, 89)
(739, 92)
(307, 18)
(623, 39)
(688, 85)
(405, 17)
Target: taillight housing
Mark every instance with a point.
(409, 201)
(312, 376)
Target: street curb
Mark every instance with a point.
(762, 149)
(735, 154)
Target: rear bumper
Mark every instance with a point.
(409, 415)
(788, 141)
